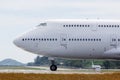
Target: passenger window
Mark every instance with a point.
(50, 39)
(88, 39)
(53, 39)
(91, 39)
(34, 39)
(118, 39)
(56, 39)
(74, 39)
(99, 39)
(64, 39)
(96, 39)
(44, 39)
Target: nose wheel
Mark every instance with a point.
(53, 67)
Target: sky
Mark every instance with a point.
(18, 16)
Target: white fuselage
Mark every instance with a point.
(77, 39)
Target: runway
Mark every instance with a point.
(45, 70)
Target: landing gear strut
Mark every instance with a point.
(53, 67)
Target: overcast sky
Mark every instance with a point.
(18, 16)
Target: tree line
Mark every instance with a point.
(84, 63)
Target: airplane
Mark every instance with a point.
(96, 67)
(74, 39)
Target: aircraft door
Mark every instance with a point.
(113, 40)
(63, 40)
(94, 27)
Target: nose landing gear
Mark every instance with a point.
(53, 67)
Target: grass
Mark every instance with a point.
(19, 68)
(22, 76)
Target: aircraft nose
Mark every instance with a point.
(17, 42)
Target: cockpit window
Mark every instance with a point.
(42, 24)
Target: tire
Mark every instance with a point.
(53, 67)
